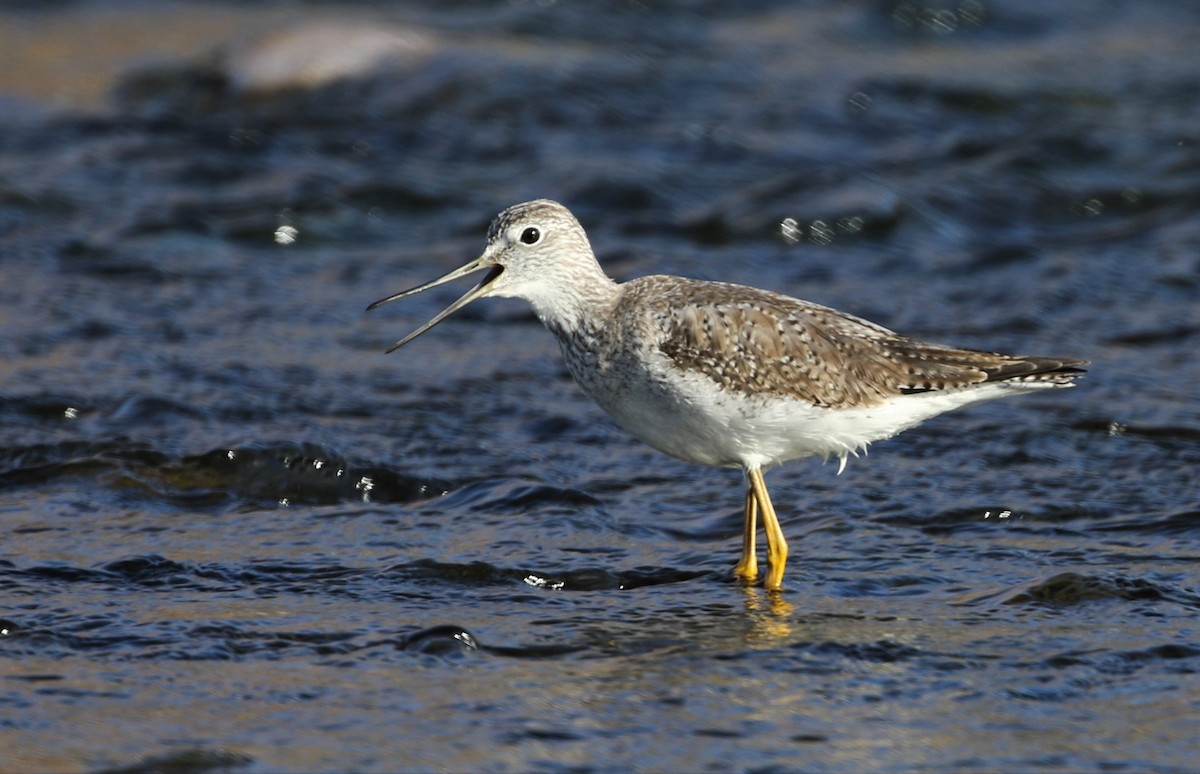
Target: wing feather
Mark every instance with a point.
(756, 342)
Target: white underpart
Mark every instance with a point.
(686, 415)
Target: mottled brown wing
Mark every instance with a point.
(757, 342)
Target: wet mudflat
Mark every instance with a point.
(238, 536)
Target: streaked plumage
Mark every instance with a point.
(728, 375)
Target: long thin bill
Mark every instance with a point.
(472, 294)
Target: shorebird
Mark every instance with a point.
(729, 375)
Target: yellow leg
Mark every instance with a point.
(747, 568)
(777, 549)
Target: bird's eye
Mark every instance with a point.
(530, 236)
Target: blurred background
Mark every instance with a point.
(236, 535)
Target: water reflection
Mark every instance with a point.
(770, 614)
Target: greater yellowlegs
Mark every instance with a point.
(728, 375)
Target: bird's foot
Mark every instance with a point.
(747, 569)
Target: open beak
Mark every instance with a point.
(478, 291)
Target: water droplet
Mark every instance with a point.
(850, 225)
(791, 230)
(820, 232)
(286, 235)
(365, 485)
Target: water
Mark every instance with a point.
(238, 536)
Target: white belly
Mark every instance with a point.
(688, 416)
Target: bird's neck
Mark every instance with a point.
(578, 303)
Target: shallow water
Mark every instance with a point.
(239, 536)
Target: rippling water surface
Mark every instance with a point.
(237, 536)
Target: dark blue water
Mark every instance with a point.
(237, 536)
